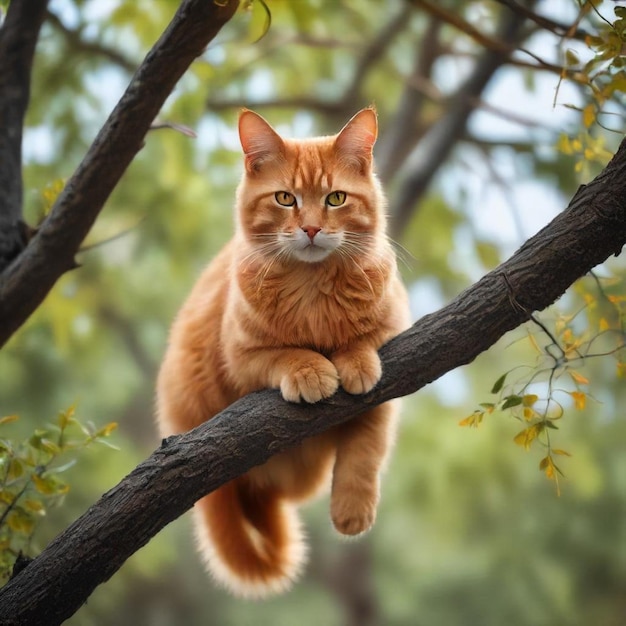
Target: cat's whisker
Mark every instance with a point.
(283, 307)
(402, 254)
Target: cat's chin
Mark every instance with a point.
(311, 254)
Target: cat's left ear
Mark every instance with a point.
(260, 142)
(356, 139)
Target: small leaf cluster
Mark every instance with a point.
(604, 78)
(32, 478)
(596, 330)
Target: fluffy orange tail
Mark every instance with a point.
(250, 539)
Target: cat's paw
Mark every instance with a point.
(310, 381)
(359, 371)
(353, 513)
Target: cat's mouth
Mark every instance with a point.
(311, 249)
(311, 253)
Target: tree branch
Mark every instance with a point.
(50, 253)
(75, 40)
(558, 28)
(18, 38)
(401, 136)
(438, 144)
(186, 467)
(337, 108)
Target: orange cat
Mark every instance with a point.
(300, 299)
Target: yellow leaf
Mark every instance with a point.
(560, 451)
(7, 419)
(66, 417)
(49, 486)
(529, 399)
(564, 144)
(525, 437)
(472, 420)
(603, 325)
(579, 378)
(616, 299)
(106, 430)
(35, 506)
(19, 522)
(529, 413)
(580, 399)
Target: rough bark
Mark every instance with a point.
(50, 253)
(186, 467)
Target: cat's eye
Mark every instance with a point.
(284, 198)
(336, 198)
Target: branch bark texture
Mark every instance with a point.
(50, 253)
(247, 433)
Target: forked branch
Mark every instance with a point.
(50, 253)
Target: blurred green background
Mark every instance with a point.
(469, 531)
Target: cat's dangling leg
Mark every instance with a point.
(363, 445)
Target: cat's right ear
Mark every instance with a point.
(260, 142)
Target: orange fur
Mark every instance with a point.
(300, 299)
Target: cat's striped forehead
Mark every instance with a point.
(310, 164)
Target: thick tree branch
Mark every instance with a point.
(18, 38)
(50, 253)
(186, 467)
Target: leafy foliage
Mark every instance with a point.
(32, 478)
(466, 533)
(571, 345)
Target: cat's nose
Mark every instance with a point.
(311, 231)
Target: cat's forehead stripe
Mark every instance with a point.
(309, 170)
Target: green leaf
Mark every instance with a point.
(61, 468)
(497, 386)
(16, 469)
(511, 401)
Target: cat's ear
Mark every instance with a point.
(356, 139)
(260, 142)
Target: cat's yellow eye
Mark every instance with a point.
(336, 198)
(284, 198)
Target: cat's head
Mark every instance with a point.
(309, 199)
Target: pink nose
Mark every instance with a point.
(311, 231)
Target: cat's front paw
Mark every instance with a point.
(310, 381)
(359, 371)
